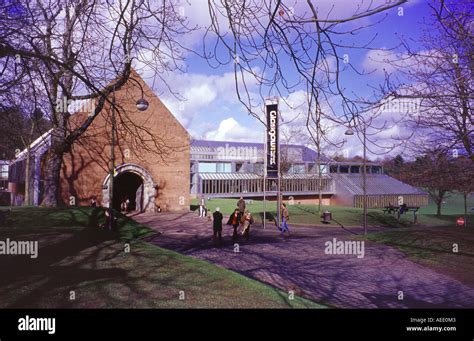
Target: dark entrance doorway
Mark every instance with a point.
(129, 186)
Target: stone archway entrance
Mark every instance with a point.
(128, 187)
(133, 182)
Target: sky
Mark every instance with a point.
(209, 108)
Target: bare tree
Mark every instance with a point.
(438, 72)
(84, 50)
(463, 167)
(433, 172)
(319, 134)
(278, 47)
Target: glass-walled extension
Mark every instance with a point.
(232, 169)
(230, 185)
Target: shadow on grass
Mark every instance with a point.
(24, 270)
(88, 260)
(75, 230)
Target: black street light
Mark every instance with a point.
(349, 132)
(142, 105)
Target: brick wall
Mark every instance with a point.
(152, 139)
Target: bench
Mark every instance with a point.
(390, 209)
(411, 208)
(402, 210)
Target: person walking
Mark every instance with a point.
(241, 208)
(241, 205)
(217, 226)
(284, 220)
(235, 222)
(202, 207)
(248, 220)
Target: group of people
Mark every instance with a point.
(125, 205)
(241, 217)
(240, 220)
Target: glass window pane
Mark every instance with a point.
(207, 167)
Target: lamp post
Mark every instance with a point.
(141, 105)
(350, 132)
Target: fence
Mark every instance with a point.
(380, 201)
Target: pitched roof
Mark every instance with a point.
(41, 141)
(377, 184)
(308, 155)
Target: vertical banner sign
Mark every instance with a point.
(272, 141)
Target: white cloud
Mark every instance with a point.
(380, 61)
(194, 94)
(294, 107)
(231, 130)
(200, 95)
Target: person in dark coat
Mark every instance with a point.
(234, 220)
(217, 226)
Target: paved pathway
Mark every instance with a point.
(299, 263)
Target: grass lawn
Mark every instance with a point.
(77, 256)
(453, 204)
(433, 247)
(349, 216)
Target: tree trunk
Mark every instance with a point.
(27, 144)
(465, 204)
(438, 207)
(439, 201)
(27, 177)
(318, 150)
(320, 186)
(52, 178)
(320, 180)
